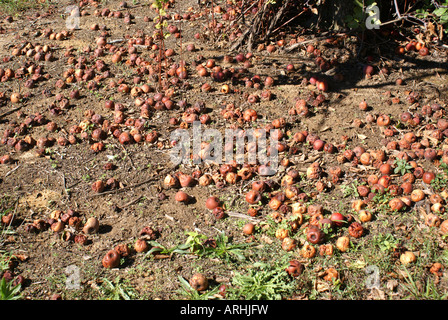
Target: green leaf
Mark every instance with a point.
(8, 291)
(444, 19)
(353, 24)
(440, 11)
(184, 283)
(359, 3)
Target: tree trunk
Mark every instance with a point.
(332, 14)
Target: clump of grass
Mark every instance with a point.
(17, 6)
(262, 282)
(9, 291)
(119, 289)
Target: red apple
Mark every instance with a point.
(337, 218)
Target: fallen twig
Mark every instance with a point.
(131, 186)
(123, 189)
(12, 170)
(131, 202)
(9, 112)
(242, 216)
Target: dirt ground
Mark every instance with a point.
(59, 177)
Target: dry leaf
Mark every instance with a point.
(391, 284)
(362, 137)
(321, 286)
(266, 239)
(21, 257)
(431, 28)
(377, 294)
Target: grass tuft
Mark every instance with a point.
(14, 7)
